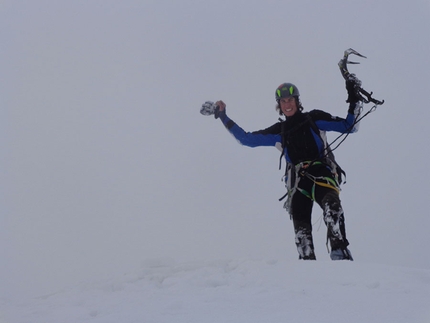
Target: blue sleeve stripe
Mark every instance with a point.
(339, 125)
(250, 139)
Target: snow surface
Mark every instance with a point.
(245, 290)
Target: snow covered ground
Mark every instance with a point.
(245, 290)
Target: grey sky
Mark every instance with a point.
(106, 161)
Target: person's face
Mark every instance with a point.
(288, 106)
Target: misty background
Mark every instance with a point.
(106, 162)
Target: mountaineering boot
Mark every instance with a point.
(334, 219)
(305, 245)
(336, 233)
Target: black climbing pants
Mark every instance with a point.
(313, 187)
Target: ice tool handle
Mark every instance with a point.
(343, 66)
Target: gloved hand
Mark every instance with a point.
(353, 85)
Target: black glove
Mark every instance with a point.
(217, 112)
(353, 85)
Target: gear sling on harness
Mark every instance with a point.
(320, 180)
(293, 175)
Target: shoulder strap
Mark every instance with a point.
(312, 124)
(328, 152)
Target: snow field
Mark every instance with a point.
(162, 291)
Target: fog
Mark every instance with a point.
(106, 161)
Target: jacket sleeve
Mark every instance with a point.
(268, 137)
(327, 122)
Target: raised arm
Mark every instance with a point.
(327, 122)
(266, 137)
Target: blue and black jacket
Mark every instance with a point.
(297, 137)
